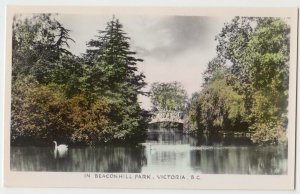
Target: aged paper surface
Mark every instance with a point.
(175, 45)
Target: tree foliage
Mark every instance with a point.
(112, 72)
(93, 99)
(217, 107)
(38, 43)
(39, 112)
(79, 100)
(168, 96)
(252, 91)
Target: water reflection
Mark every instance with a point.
(81, 159)
(166, 150)
(244, 160)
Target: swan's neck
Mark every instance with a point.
(55, 145)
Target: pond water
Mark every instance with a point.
(166, 150)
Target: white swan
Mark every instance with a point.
(60, 150)
(61, 147)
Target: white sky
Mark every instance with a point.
(174, 48)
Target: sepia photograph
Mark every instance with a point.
(151, 95)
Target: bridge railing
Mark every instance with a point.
(168, 114)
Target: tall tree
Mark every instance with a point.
(111, 71)
(268, 67)
(112, 65)
(39, 54)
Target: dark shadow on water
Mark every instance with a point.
(79, 159)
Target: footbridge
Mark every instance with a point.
(167, 116)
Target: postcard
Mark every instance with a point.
(150, 97)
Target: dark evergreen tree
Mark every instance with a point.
(111, 69)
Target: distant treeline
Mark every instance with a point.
(77, 100)
(246, 86)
